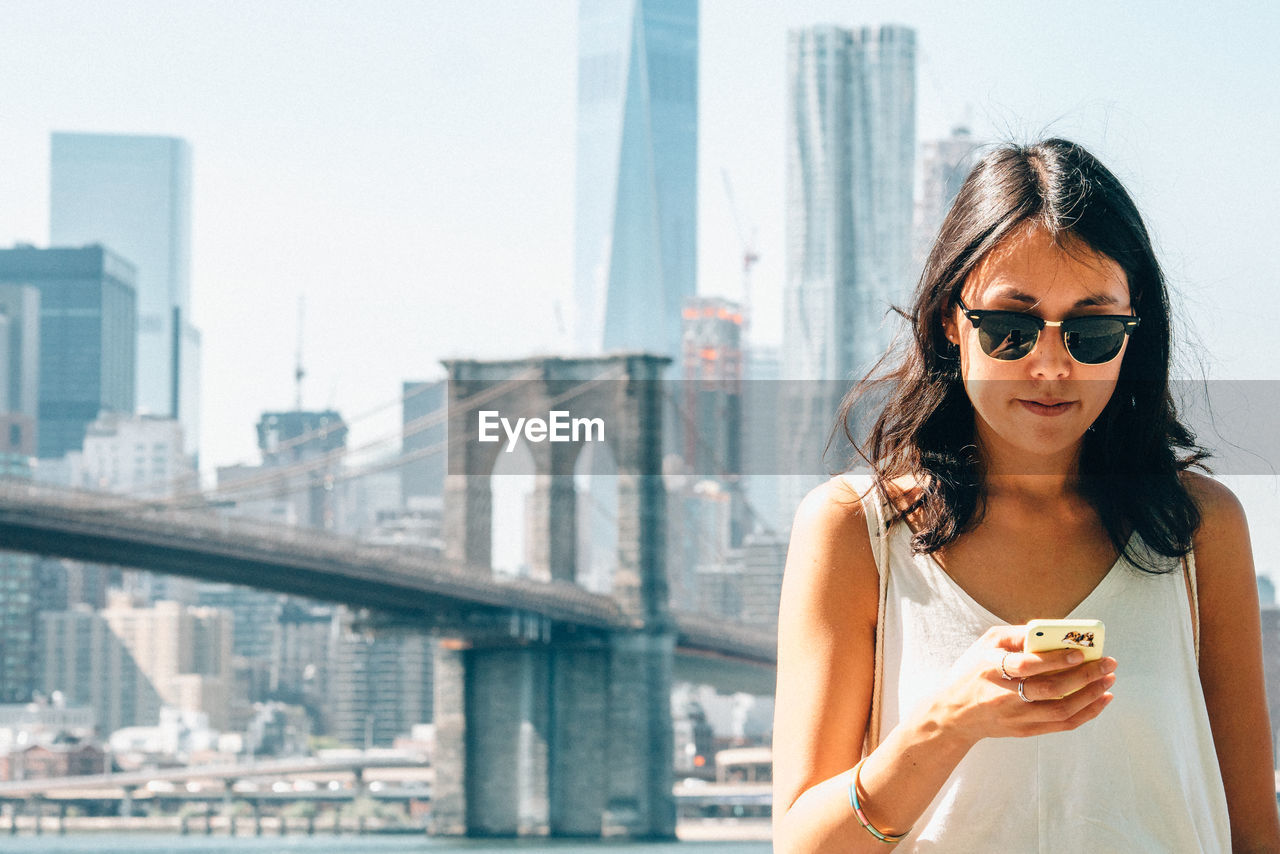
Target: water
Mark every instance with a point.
(158, 844)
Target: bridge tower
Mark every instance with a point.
(543, 730)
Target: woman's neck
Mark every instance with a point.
(1032, 488)
(1013, 473)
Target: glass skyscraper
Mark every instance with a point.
(19, 368)
(88, 338)
(850, 172)
(133, 194)
(637, 196)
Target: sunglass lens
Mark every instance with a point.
(1094, 340)
(1007, 336)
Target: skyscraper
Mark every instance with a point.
(850, 170)
(709, 429)
(422, 476)
(19, 368)
(302, 457)
(944, 164)
(637, 154)
(88, 337)
(18, 622)
(133, 194)
(317, 439)
(710, 423)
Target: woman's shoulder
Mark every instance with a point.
(1225, 572)
(837, 506)
(831, 569)
(844, 501)
(1221, 513)
(1209, 494)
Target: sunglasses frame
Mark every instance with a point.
(975, 316)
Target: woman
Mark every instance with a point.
(1027, 465)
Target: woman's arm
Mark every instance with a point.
(826, 639)
(1231, 665)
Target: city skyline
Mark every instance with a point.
(457, 221)
(459, 211)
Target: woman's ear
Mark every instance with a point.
(949, 330)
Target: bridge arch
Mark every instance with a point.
(623, 393)
(577, 727)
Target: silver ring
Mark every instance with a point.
(1021, 694)
(1003, 672)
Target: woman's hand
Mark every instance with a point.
(980, 702)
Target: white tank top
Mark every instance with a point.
(1141, 777)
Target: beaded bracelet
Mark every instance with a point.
(862, 818)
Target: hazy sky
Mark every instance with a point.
(408, 166)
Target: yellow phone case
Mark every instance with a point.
(1084, 635)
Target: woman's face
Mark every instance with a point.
(1028, 273)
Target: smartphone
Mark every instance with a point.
(1084, 635)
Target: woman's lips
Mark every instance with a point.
(1047, 411)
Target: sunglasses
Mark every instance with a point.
(1092, 339)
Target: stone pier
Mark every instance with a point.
(569, 734)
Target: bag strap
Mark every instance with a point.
(1193, 597)
(876, 528)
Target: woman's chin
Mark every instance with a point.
(1041, 444)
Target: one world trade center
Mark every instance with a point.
(636, 243)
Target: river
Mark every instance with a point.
(108, 843)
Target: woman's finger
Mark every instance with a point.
(1007, 638)
(1090, 711)
(1047, 695)
(1020, 665)
(1066, 682)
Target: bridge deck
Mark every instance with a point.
(103, 528)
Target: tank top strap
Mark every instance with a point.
(877, 525)
(1193, 597)
(876, 517)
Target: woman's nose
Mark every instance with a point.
(1049, 358)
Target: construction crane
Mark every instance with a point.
(749, 254)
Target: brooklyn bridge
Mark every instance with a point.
(551, 701)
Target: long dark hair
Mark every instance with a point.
(1130, 462)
